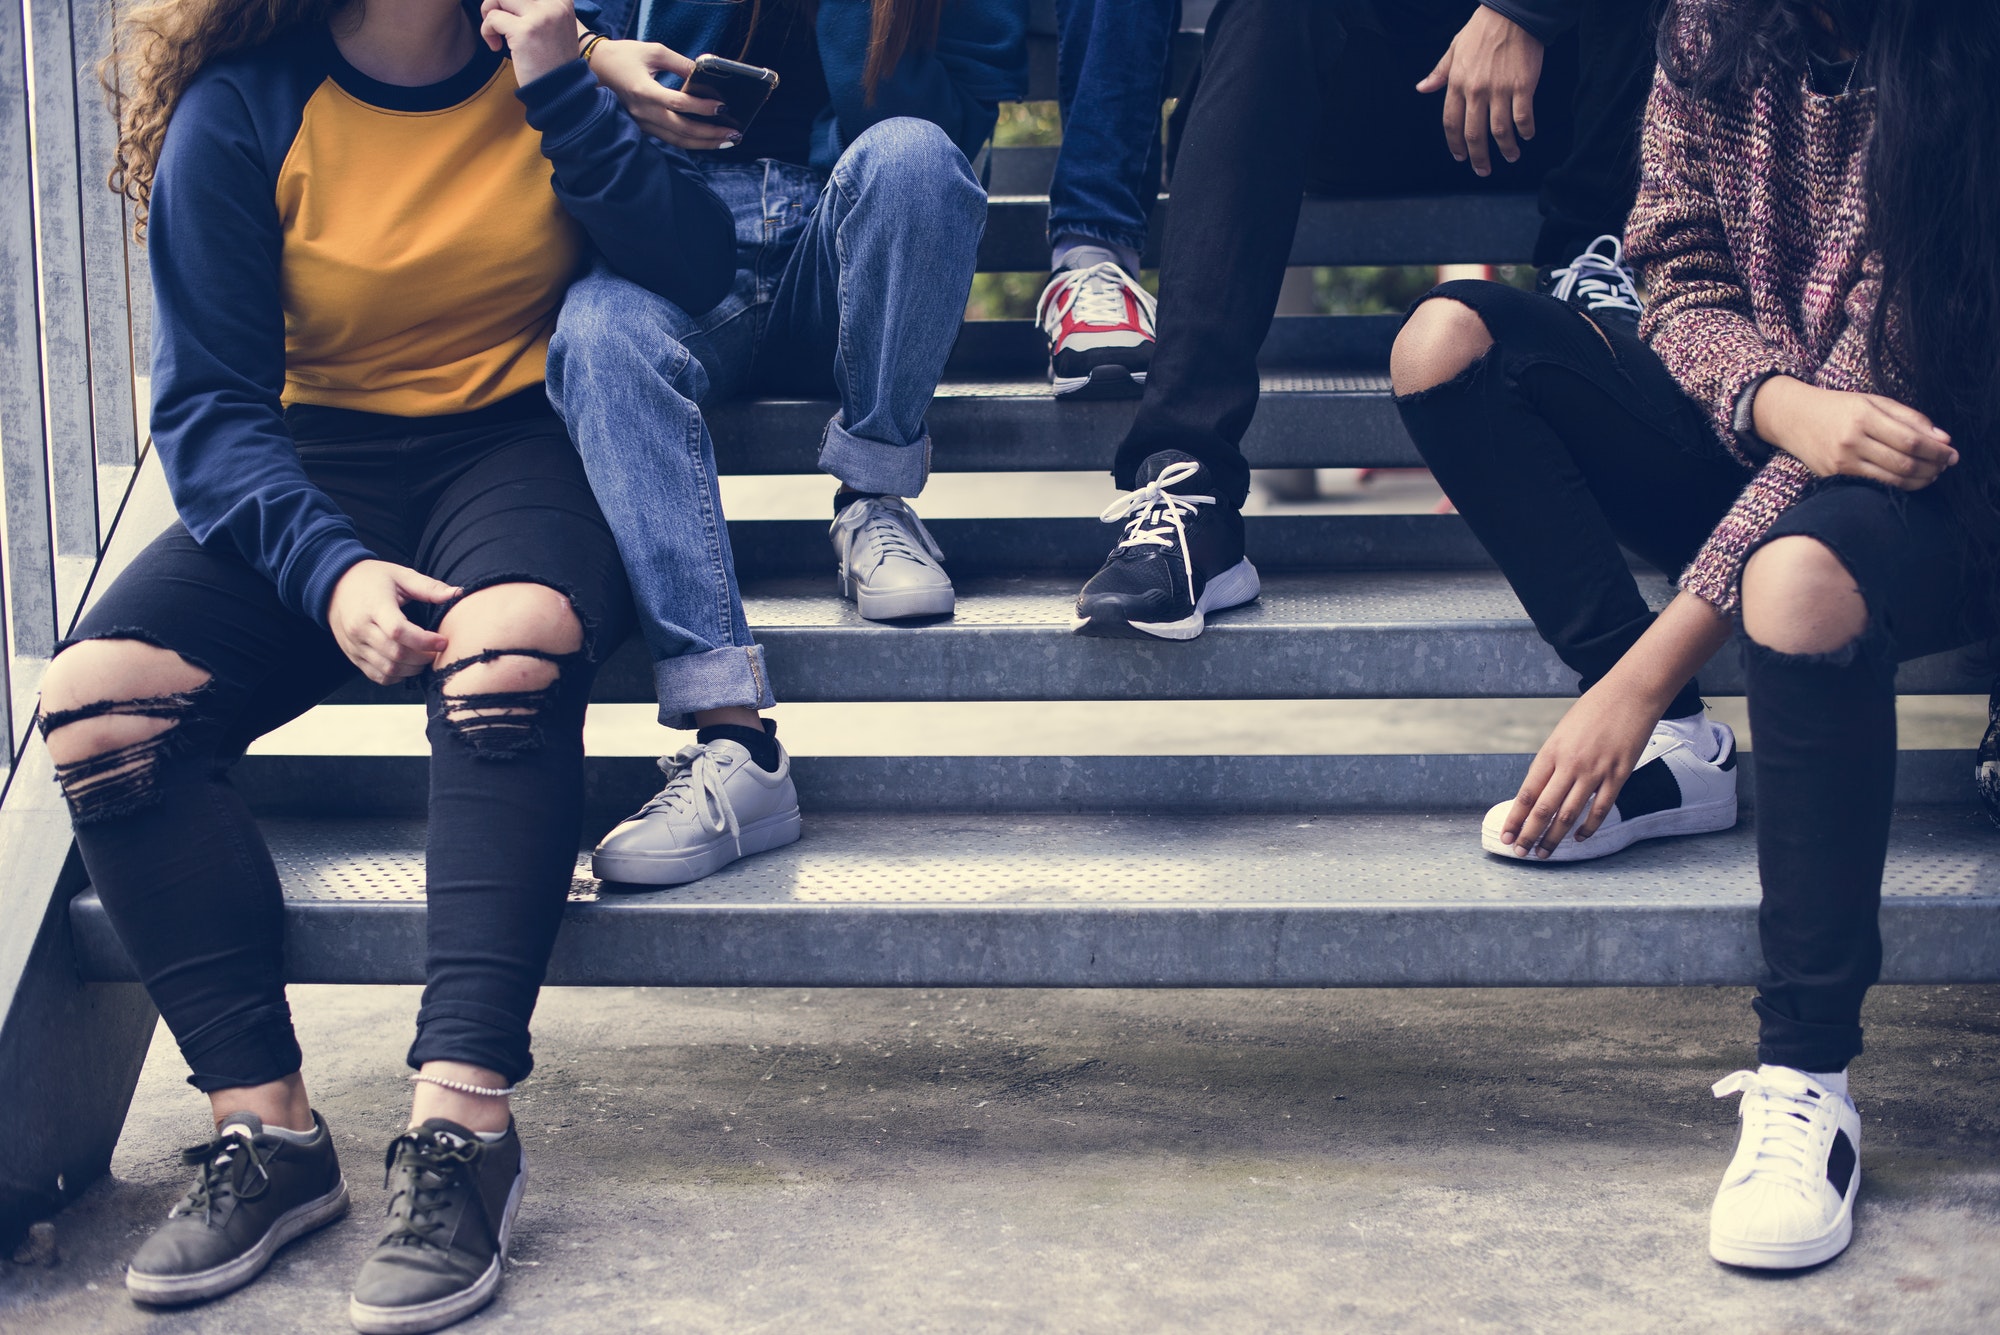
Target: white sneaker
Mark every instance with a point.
(719, 805)
(1099, 323)
(1787, 1199)
(889, 564)
(1672, 791)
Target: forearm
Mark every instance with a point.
(1679, 643)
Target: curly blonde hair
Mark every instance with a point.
(158, 50)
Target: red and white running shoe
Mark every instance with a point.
(1099, 323)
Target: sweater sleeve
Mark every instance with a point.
(1716, 573)
(214, 247)
(980, 61)
(1545, 20)
(643, 203)
(1699, 318)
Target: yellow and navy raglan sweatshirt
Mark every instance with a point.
(317, 237)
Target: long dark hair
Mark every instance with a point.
(1933, 196)
(894, 26)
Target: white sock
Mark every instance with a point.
(1697, 732)
(1834, 1082)
(494, 1137)
(286, 1133)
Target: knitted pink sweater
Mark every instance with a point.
(1749, 230)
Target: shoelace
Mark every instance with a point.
(420, 1170)
(1778, 1113)
(1601, 278)
(694, 784)
(1096, 295)
(225, 1162)
(891, 526)
(1154, 510)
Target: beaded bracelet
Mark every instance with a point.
(463, 1087)
(589, 45)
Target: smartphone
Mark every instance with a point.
(742, 89)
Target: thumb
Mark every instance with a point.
(1439, 75)
(418, 587)
(658, 57)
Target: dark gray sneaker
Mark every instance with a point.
(452, 1198)
(252, 1194)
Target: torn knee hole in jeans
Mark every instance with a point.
(496, 725)
(123, 779)
(1453, 383)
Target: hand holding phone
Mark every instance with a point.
(631, 70)
(741, 89)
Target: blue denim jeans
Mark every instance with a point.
(854, 285)
(1112, 65)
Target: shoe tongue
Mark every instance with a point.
(444, 1126)
(249, 1121)
(1157, 464)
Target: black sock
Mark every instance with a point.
(762, 746)
(846, 497)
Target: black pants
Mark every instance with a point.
(1297, 95)
(492, 497)
(1557, 447)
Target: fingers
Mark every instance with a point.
(1500, 120)
(408, 638)
(1524, 113)
(1572, 805)
(1540, 771)
(1475, 120)
(414, 585)
(1454, 122)
(1904, 413)
(1439, 76)
(1600, 809)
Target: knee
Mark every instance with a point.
(608, 326)
(506, 647)
(106, 705)
(1440, 340)
(1798, 598)
(917, 162)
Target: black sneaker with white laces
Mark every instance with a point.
(452, 1198)
(253, 1193)
(1599, 283)
(1181, 558)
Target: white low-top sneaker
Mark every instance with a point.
(1672, 791)
(889, 564)
(719, 805)
(1787, 1200)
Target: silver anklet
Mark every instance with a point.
(463, 1087)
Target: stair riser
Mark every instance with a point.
(614, 786)
(663, 944)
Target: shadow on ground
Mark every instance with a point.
(1118, 1161)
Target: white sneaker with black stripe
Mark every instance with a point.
(1684, 783)
(1787, 1199)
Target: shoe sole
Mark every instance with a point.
(1232, 588)
(1103, 382)
(1703, 818)
(295, 1223)
(899, 605)
(1791, 1255)
(442, 1312)
(680, 868)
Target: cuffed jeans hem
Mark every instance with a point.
(478, 1035)
(872, 465)
(1804, 1046)
(254, 1048)
(730, 677)
(1063, 236)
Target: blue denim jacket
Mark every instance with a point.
(980, 61)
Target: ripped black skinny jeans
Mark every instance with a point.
(1557, 447)
(478, 499)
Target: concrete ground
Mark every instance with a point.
(1118, 1161)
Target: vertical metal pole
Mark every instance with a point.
(24, 477)
(106, 289)
(65, 324)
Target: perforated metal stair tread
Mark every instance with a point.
(1251, 900)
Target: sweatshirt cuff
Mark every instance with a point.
(565, 102)
(1544, 20)
(315, 570)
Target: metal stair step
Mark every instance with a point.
(1163, 900)
(1076, 546)
(614, 786)
(1305, 419)
(1452, 634)
(1495, 227)
(1017, 349)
